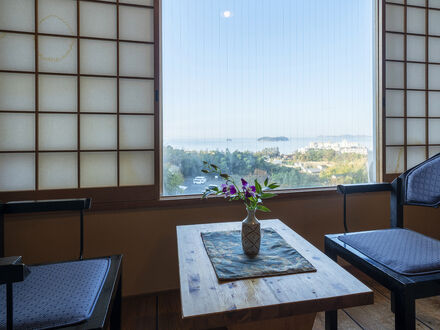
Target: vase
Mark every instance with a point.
(250, 234)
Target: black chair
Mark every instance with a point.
(78, 294)
(404, 261)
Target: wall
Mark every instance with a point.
(147, 237)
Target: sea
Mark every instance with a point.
(253, 145)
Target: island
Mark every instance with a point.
(273, 139)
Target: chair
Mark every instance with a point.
(78, 294)
(404, 261)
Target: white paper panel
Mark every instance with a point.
(416, 48)
(17, 131)
(434, 49)
(434, 131)
(434, 3)
(98, 94)
(98, 20)
(17, 52)
(415, 155)
(394, 131)
(136, 168)
(136, 95)
(57, 16)
(434, 104)
(17, 172)
(136, 60)
(98, 132)
(415, 75)
(421, 3)
(396, 1)
(416, 20)
(99, 169)
(394, 46)
(434, 76)
(57, 54)
(395, 160)
(138, 2)
(57, 132)
(136, 132)
(136, 23)
(98, 57)
(17, 15)
(416, 102)
(394, 18)
(394, 103)
(57, 93)
(394, 75)
(434, 151)
(17, 91)
(57, 170)
(416, 131)
(434, 22)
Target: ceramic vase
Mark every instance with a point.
(251, 234)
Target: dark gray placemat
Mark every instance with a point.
(276, 256)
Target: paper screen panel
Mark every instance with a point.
(394, 103)
(17, 131)
(17, 15)
(136, 23)
(395, 159)
(98, 57)
(421, 3)
(17, 172)
(136, 95)
(57, 93)
(57, 170)
(17, 91)
(416, 48)
(434, 131)
(98, 94)
(57, 132)
(99, 169)
(415, 76)
(17, 52)
(98, 132)
(138, 2)
(57, 54)
(434, 3)
(434, 49)
(434, 22)
(416, 131)
(434, 151)
(136, 60)
(416, 20)
(136, 132)
(98, 20)
(57, 17)
(394, 131)
(434, 76)
(394, 75)
(394, 18)
(136, 168)
(434, 104)
(394, 46)
(416, 104)
(416, 155)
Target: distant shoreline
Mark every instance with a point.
(273, 139)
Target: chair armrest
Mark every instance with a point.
(47, 205)
(363, 188)
(12, 269)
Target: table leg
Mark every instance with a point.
(297, 322)
(331, 320)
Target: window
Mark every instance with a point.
(279, 88)
(412, 84)
(77, 110)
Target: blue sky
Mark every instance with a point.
(296, 68)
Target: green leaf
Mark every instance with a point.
(257, 187)
(267, 195)
(266, 182)
(224, 176)
(205, 162)
(262, 208)
(273, 185)
(214, 166)
(205, 171)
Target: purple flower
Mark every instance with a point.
(224, 188)
(228, 190)
(232, 189)
(244, 183)
(249, 191)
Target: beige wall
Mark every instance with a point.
(147, 237)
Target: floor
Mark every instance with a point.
(142, 312)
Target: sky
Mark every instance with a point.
(252, 68)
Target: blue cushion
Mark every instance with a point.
(402, 250)
(423, 183)
(56, 294)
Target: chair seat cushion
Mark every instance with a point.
(56, 295)
(403, 251)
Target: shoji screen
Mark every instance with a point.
(412, 83)
(76, 94)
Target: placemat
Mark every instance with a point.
(276, 256)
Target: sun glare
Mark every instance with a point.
(227, 14)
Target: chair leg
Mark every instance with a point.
(116, 314)
(405, 311)
(331, 320)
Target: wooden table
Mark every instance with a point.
(275, 302)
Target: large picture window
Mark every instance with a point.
(279, 88)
